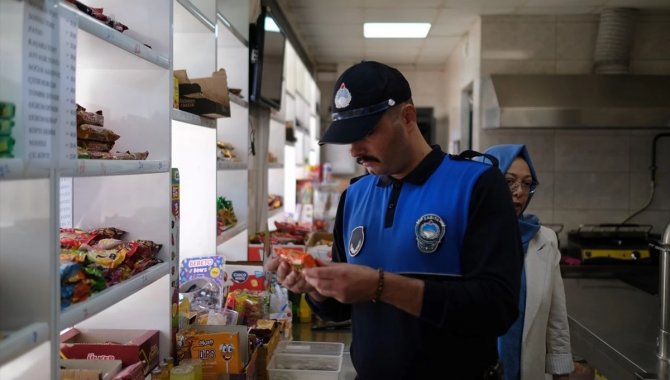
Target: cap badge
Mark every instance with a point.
(342, 97)
(429, 231)
(356, 241)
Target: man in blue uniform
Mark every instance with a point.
(427, 256)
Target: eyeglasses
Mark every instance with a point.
(527, 185)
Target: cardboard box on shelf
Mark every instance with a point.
(129, 346)
(83, 369)
(207, 97)
(265, 352)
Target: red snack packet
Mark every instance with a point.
(297, 259)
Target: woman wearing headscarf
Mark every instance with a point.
(538, 342)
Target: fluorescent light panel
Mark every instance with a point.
(396, 29)
(270, 25)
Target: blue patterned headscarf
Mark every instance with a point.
(506, 153)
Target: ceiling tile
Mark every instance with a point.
(563, 3)
(413, 4)
(392, 15)
(452, 25)
(333, 31)
(557, 10)
(481, 5)
(639, 4)
(328, 15)
(439, 42)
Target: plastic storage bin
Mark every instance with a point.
(304, 367)
(310, 348)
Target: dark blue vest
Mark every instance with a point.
(446, 194)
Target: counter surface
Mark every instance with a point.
(613, 325)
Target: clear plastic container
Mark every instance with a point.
(304, 367)
(310, 348)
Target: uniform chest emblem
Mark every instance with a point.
(429, 231)
(356, 241)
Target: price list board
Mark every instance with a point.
(41, 76)
(68, 107)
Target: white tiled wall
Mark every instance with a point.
(594, 176)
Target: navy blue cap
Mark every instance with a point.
(360, 97)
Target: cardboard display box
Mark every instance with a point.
(205, 340)
(129, 346)
(265, 352)
(207, 97)
(82, 369)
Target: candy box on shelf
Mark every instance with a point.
(245, 275)
(304, 367)
(223, 349)
(129, 346)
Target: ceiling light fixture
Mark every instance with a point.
(396, 29)
(270, 25)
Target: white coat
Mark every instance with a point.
(545, 344)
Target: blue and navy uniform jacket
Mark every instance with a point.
(471, 274)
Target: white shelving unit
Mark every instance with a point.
(232, 177)
(129, 77)
(75, 58)
(194, 137)
(298, 107)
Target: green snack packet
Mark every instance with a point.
(6, 144)
(6, 126)
(7, 110)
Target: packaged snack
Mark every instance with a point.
(73, 238)
(95, 146)
(297, 259)
(95, 133)
(7, 110)
(6, 126)
(6, 144)
(84, 117)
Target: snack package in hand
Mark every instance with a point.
(297, 259)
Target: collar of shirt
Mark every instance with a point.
(421, 173)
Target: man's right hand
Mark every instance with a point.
(287, 277)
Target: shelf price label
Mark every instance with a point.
(41, 76)
(66, 202)
(4, 170)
